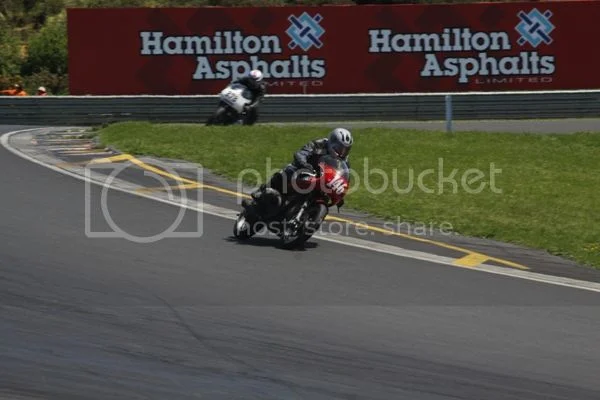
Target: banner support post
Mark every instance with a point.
(448, 113)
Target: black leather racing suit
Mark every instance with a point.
(305, 158)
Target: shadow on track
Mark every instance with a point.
(271, 242)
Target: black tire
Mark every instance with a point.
(221, 116)
(316, 216)
(251, 117)
(243, 227)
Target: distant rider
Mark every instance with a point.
(337, 144)
(254, 82)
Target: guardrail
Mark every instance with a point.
(86, 110)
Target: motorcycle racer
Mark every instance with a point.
(338, 144)
(254, 82)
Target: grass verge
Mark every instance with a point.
(538, 190)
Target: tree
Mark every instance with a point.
(47, 49)
(10, 57)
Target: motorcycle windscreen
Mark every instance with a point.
(337, 164)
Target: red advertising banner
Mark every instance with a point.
(336, 49)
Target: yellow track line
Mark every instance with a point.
(164, 188)
(108, 160)
(471, 259)
(464, 261)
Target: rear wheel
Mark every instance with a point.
(243, 226)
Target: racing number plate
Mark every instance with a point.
(230, 96)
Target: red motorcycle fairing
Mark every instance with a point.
(334, 183)
(331, 184)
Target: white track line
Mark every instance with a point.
(343, 240)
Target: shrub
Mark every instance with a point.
(55, 84)
(47, 49)
(10, 55)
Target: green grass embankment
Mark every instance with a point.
(544, 192)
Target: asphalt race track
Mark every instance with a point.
(89, 318)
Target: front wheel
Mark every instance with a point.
(309, 225)
(222, 116)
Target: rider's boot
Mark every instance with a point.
(277, 182)
(255, 197)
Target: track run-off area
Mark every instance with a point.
(209, 317)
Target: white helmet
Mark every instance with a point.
(340, 142)
(256, 75)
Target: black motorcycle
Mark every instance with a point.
(296, 217)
